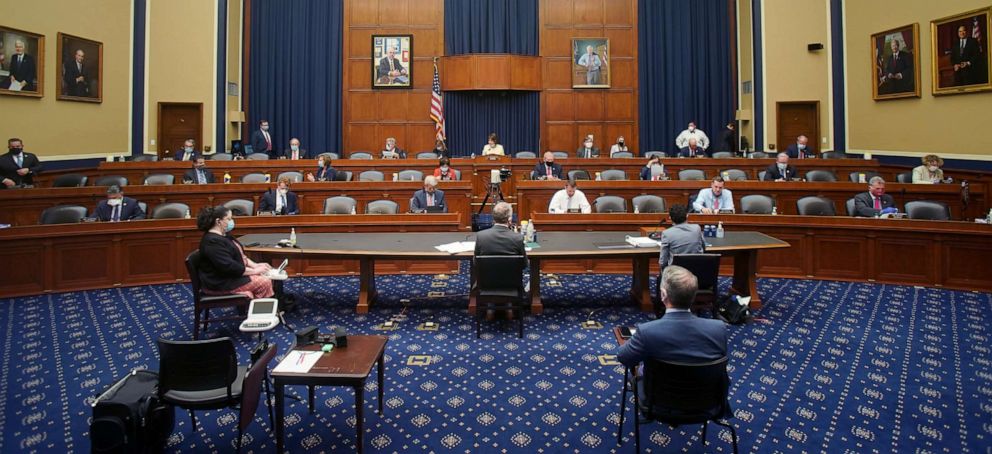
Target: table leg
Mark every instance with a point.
(310, 398)
(382, 373)
(536, 306)
(641, 283)
(471, 288)
(745, 276)
(359, 418)
(366, 284)
(280, 414)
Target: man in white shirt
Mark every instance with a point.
(593, 64)
(682, 141)
(714, 199)
(568, 199)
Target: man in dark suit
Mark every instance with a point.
(280, 200)
(800, 150)
(392, 151)
(23, 69)
(18, 167)
(967, 60)
(679, 336)
(898, 72)
(875, 202)
(188, 153)
(429, 196)
(728, 139)
(587, 150)
(76, 77)
(117, 208)
(261, 140)
(691, 151)
(500, 239)
(199, 174)
(294, 152)
(547, 170)
(781, 170)
(390, 70)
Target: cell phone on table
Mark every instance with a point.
(626, 332)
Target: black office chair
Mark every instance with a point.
(172, 210)
(240, 207)
(160, 178)
(294, 177)
(648, 203)
(610, 204)
(927, 209)
(220, 157)
(833, 155)
(849, 205)
(677, 394)
(706, 268)
(560, 154)
(339, 205)
(342, 175)
(525, 155)
(202, 303)
(258, 157)
(500, 286)
(623, 154)
(904, 177)
(655, 153)
(734, 174)
(382, 207)
(69, 180)
(205, 375)
(111, 180)
(815, 206)
(254, 177)
(360, 155)
(722, 155)
(821, 175)
(63, 214)
(578, 174)
(410, 175)
(692, 175)
(613, 175)
(757, 204)
(855, 177)
(427, 155)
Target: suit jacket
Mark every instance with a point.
(130, 210)
(259, 145)
(902, 65)
(971, 74)
(864, 205)
(793, 151)
(288, 154)
(679, 336)
(325, 173)
(681, 238)
(221, 266)
(8, 168)
(25, 71)
(729, 141)
(646, 173)
(500, 240)
(69, 83)
(581, 152)
(419, 201)
(687, 153)
(540, 170)
(190, 175)
(178, 155)
(383, 69)
(268, 203)
(772, 173)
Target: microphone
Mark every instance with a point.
(590, 323)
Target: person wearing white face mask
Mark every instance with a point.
(682, 141)
(444, 171)
(800, 149)
(261, 140)
(930, 172)
(223, 266)
(294, 152)
(588, 148)
(188, 153)
(116, 207)
(280, 200)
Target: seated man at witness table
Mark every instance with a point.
(188, 153)
(444, 172)
(781, 170)
(930, 172)
(653, 170)
(569, 200)
(199, 174)
(500, 239)
(294, 152)
(428, 197)
(800, 150)
(116, 207)
(392, 151)
(587, 150)
(679, 336)
(324, 170)
(714, 199)
(875, 202)
(680, 238)
(18, 167)
(693, 150)
(280, 200)
(548, 169)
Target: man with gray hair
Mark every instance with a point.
(23, 70)
(428, 197)
(500, 239)
(392, 151)
(875, 202)
(679, 336)
(116, 207)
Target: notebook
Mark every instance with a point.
(263, 315)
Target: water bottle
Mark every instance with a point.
(187, 216)
(636, 210)
(353, 210)
(227, 177)
(292, 236)
(530, 232)
(988, 218)
(774, 211)
(719, 230)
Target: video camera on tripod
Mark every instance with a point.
(500, 175)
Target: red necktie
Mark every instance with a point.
(268, 141)
(430, 200)
(716, 204)
(549, 170)
(878, 203)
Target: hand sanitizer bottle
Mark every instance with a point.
(774, 211)
(187, 214)
(719, 230)
(636, 210)
(353, 210)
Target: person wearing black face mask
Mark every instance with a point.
(621, 145)
(548, 169)
(17, 167)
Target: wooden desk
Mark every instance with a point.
(347, 366)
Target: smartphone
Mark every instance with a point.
(626, 332)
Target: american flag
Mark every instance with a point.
(437, 106)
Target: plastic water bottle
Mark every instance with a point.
(187, 216)
(636, 210)
(292, 236)
(774, 211)
(227, 177)
(719, 230)
(529, 236)
(353, 210)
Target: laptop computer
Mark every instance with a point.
(434, 209)
(263, 315)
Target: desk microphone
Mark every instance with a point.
(590, 323)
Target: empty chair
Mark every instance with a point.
(329, 155)
(240, 207)
(371, 175)
(294, 177)
(499, 286)
(815, 206)
(174, 210)
(63, 214)
(458, 174)
(248, 150)
(855, 177)
(526, 155)
(410, 175)
(427, 155)
(111, 180)
(757, 204)
(905, 177)
(613, 175)
(761, 175)
(578, 174)
(647, 203)
(339, 205)
(342, 175)
(850, 206)
(821, 175)
(360, 155)
(258, 157)
(221, 157)
(254, 177)
(757, 155)
(706, 268)
(69, 180)
(928, 209)
(160, 178)
(623, 154)
(382, 207)
(722, 155)
(734, 175)
(144, 207)
(145, 158)
(610, 204)
(655, 153)
(833, 155)
(692, 175)
(560, 154)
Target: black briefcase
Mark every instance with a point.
(129, 417)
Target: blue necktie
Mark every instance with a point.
(20, 160)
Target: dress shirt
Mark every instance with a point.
(705, 199)
(268, 140)
(497, 150)
(682, 141)
(201, 178)
(280, 201)
(561, 202)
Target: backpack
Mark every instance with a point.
(129, 417)
(733, 309)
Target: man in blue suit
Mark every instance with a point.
(691, 151)
(430, 196)
(679, 336)
(117, 208)
(800, 149)
(547, 170)
(280, 200)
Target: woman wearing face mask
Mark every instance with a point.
(493, 147)
(619, 146)
(444, 171)
(224, 268)
(930, 172)
(440, 149)
(324, 170)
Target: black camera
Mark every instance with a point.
(504, 173)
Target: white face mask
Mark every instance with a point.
(265, 127)
(692, 128)
(294, 147)
(933, 168)
(283, 191)
(444, 168)
(188, 149)
(114, 202)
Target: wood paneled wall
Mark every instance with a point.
(567, 115)
(370, 116)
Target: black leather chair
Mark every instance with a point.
(499, 286)
(706, 268)
(833, 155)
(856, 176)
(371, 175)
(815, 206)
(821, 175)
(410, 175)
(677, 394)
(905, 177)
(692, 175)
(111, 180)
(610, 204)
(578, 174)
(757, 204)
(202, 303)
(258, 157)
(734, 174)
(70, 180)
(382, 207)
(648, 203)
(241, 207)
(254, 177)
(339, 205)
(172, 210)
(205, 375)
(525, 155)
(360, 155)
(722, 155)
(613, 175)
(930, 210)
(63, 214)
(220, 157)
(160, 178)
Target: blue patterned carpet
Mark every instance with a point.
(837, 367)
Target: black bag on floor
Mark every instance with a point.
(129, 417)
(732, 310)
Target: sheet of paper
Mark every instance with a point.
(456, 247)
(298, 362)
(15, 86)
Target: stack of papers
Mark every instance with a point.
(298, 362)
(456, 247)
(641, 241)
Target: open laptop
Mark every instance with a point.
(263, 315)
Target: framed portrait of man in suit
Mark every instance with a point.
(896, 63)
(392, 61)
(22, 63)
(590, 63)
(960, 53)
(80, 70)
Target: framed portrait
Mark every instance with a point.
(392, 61)
(22, 63)
(896, 63)
(81, 69)
(960, 53)
(590, 63)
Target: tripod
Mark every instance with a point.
(492, 190)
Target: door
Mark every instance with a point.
(177, 122)
(797, 118)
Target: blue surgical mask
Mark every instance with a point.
(295, 147)
(188, 149)
(230, 225)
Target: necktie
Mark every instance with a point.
(200, 177)
(283, 198)
(20, 160)
(801, 153)
(117, 214)
(549, 170)
(430, 200)
(878, 203)
(716, 203)
(391, 67)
